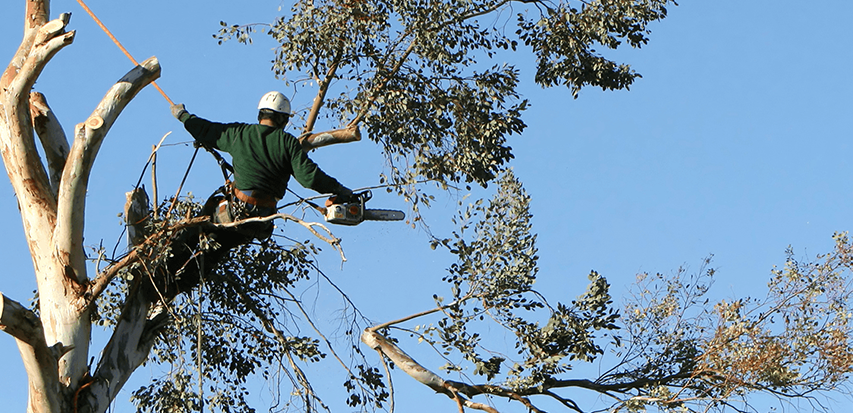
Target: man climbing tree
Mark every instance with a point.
(264, 158)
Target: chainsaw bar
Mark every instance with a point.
(383, 215)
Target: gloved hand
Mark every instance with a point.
(178, 109)
(344, 194)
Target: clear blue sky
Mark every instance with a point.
(734, 143)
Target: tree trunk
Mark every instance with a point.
(54, 347)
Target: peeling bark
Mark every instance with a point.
(52, 138)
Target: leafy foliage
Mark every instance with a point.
(418, 74)
(243, 321)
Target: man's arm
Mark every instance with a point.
(309, 175)
(206, 132)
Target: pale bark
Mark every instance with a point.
(26, 171)
(317, 140)
(39, 361)
(135, 333)
(455, 390)
(55, 348)
(129, 347)
(402, 360)
(87, 142)
(321, 94)
(37, 202)
(52, 138)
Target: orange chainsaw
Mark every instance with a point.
(353, 212)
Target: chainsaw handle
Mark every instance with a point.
(364, 196)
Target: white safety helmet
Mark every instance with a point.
(275, 101)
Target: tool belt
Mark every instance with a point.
(256, 198)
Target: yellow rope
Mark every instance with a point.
(126, 53)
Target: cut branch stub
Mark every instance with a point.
(17, 321)
(95, 122)
(317, 140)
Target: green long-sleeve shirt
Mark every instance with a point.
(263, 157)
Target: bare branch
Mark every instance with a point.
(29, 179)
(52, 138)
(19, 322)
(128, 348)
(421, 314)
(36, 15)
(88, 138)
(324, 88)
(380, 87)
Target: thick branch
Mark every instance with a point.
(52, 138)
(455, 390)
(406, 363)
(137, 329)
(19, 322)
(49, 39)
(40, 361)
(88, 138)
(129, 347)
(25, 169)
(36, 15)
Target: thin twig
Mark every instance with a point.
(421, 314)
(390, 382)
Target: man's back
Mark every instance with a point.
(263, 157)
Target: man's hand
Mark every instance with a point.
(344, 194)
(178, 109)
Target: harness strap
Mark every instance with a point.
(256, 198)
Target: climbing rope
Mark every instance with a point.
(200, 360)
(126, 53)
